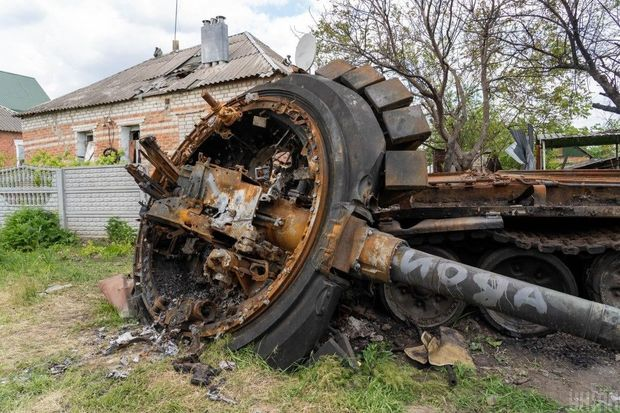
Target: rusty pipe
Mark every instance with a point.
(594, 321)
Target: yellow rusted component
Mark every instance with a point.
(291, 223)
(375, 258)
(225, 115)
(361, 250)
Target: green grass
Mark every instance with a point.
(26, 274)
(105, 315)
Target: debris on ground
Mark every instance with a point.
(117, 291)
(446, 349)
(145, 335)
(59, 368)
(55, 288)
(117, 374)
(170, 348)
(358, 327)
(202, 374)
(215, 395)
(227, 365)
(337, 345)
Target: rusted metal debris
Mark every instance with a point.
(283, 197)
(446, 349)
(117, 290)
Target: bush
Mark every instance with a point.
(46, 159)
(119, 231)
(105, 250)
(32, 228)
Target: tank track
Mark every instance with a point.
(593, 241)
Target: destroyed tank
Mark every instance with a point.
(283, 197)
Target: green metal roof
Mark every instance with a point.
(20, 93)
(593, 139)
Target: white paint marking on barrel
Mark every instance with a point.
(491, 289)
(531, 296)
(458, 273)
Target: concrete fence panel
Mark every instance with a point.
(27, 186)
(84, 197)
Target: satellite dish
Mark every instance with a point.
(305, 51)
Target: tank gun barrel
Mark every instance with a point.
(594, 321)
(384, 258)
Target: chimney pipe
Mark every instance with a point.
(175, 45)
(214, 45)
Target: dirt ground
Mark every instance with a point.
(573, 371)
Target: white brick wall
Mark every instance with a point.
(92, 195)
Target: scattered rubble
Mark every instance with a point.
(117, 290)
(55, 288)
(447, 349)
(227, 365)
(118, 374)
(59, 368)
(145, 335)
(361, 328)
(215, 395)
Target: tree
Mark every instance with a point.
(452, 55)
(575, 35)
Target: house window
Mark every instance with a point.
(85, 146)
(130, 143)
(20, 152)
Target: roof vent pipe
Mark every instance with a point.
(214, 45)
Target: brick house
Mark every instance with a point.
(160, 97)
(10, 131)
(17, 93)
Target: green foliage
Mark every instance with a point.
(66, 159)
(395, 38)
(119, 231)
(110, 159)
(48, 160)
(106, 249)
(31, 228)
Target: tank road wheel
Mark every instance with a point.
(420, 306)
(604, 279)
(534, 267)
(235, 244)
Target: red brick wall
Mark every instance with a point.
(169, 117)
(7, 147)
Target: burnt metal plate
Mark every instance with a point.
(361, 77)
(406, 125)
(389, 94)
(405, 169)
(334, 69)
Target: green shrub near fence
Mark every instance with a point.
(120, 231)
(31, 228)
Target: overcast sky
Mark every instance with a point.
(68, 44)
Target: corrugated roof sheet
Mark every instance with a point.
(8, 122)
(174, 72)
(19, 93)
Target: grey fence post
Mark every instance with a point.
(60, 186)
